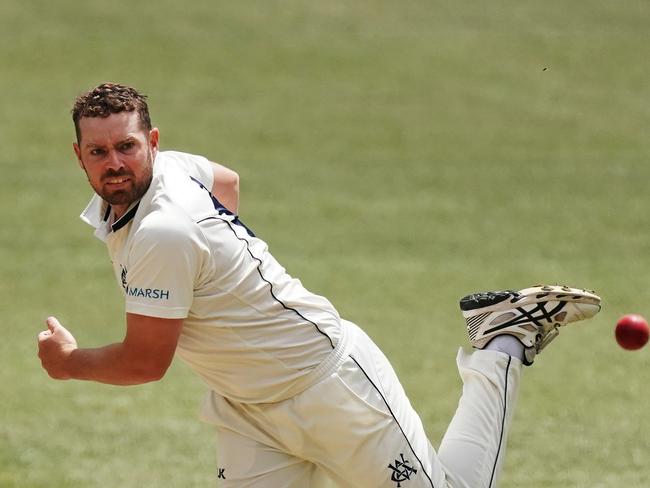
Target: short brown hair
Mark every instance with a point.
(107, 99)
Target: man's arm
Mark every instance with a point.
(143, 356)
(225, 187)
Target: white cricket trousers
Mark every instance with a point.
(357, 429)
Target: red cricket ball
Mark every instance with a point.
(632, 332)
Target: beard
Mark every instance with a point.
(130, 191)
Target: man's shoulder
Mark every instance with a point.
(174, 154)
(164, 227)
(171, 205)
(178, 159)
(173, 163)
(168, 208)
(175, 202)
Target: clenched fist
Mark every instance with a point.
(54, 348)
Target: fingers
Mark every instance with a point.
(52, 324)
(44, 335)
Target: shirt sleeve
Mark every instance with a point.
(164, 263)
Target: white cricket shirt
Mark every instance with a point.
(251, 331)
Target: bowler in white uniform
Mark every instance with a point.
(299, 397)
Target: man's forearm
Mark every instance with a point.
(110, 364)
(144, 355)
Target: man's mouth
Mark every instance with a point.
(116, 180)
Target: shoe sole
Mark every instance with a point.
(492, 301)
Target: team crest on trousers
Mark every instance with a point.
(402, 470)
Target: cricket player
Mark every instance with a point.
(299, 397)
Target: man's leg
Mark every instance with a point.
(359, 427)
(250, 455)
(473, 449)
(242, 461)
(367, 434)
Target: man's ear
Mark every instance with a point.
(154, 138)
(77, 151)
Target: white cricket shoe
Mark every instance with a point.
(532, 315)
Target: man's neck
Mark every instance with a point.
(119, 210)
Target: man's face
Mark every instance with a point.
(117, 155)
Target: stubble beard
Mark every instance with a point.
(134, 192)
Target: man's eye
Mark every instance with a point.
(96, 152)
(126, 146)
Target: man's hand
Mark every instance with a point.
(54, 348)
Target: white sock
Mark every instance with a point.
(507, 344)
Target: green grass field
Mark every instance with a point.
(395, 156)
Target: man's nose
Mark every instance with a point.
(113, 160)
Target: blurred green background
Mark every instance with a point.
(394, 155)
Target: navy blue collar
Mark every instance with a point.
(124, 219)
